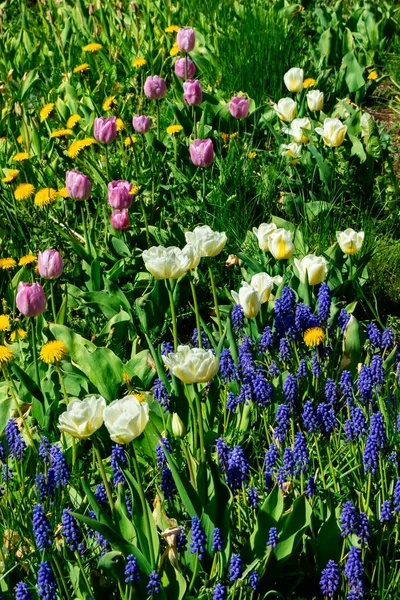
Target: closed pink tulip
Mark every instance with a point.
(118, 194)
(180, 68)
(78, 185)
(50, 264)
(239, 107)
(186, 39)
(155, 88)
(141, 123)
(120, 219)
(202, 153)
(30, 299)
(105, 129)
(192, 92)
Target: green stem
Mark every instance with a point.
(196, 566)
(103, 473)
(107, 163)
(168, 284)
(204, 184)
(53, 304)
(144, 506)
(201, 426)
(189, 464)
(158, 118)
(60, 573)
(368, 492)
(146, 224)
(328, 450)
(80, 565)
(196, 311)
(34, 351)
(320, 463)
(64, 389)
(214, 292)
(84, 227)
(16, 402)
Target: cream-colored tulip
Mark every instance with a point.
(249, 299)
(207, 241)
(291, 150)
(315, 100)
(126, 419)
(178, 427)
(82, 417)
(192, 254)
(262, 234)
(192, 365)
(350, 241)
(296, 130)
(312, 268)
(294, 79)
(333, 132)
(263, 283)
(166, 263)
(286, 109)
(280, 244)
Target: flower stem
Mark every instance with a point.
(144, 506)
(214, 291)
(107, 163)
(84, 227)
(53, 304)
(201, 426)
(80, 565)
(34, 351)
(196, 311)
(16, 402)
(103, 473)
(158, 118)
(146, 224)
(173, 313)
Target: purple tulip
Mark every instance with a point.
(31, 299)
(105, 129)
(239, 107)
(186, 38)
(120, 219)
(155, 88)
(202, 153)
(192, 92)
(50, 264)
(180, 68)
(118, 194)
(78, 185)
(141, 123)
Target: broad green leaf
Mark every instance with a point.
(268, 516)
(294, 525)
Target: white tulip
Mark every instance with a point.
(192, 254)
(311, 267)
(286, 109)
(207, 241)
(178, 427)
(350, 241)
(82, 417)
(315, 100)
(292, 150)
(333, 132)
(126, 419)
(280, 244)
(249, 299)
(262, 234)
(296, 130)
(294, 79)
(192, 365)
(166, 263)
(263, 283)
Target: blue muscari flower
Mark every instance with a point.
(331, 392)
(217, 543)
(70, 530)
(377, 372)
(266, 340)
(254, 580)
(290, 389)
(284, 351)
(237, 319)
(252, 497)
(302, 370)
(181, 540)
(6, 474)
(288, 461)
(262, 389)
(393, 458)
(284, 313)
(232, 402)
(132, 572)
(377, 429)
(398, 422)
(311, 487)
(386, 512)
(396, 496)
(100, 539)
(388, 339)
(219, 591)
(283, 422)
(118, 460)
(346, 387)
(271, 458)
(273, 369)
(40, 486)
(364, 384)
(348, 519)
(167, 348)
(363, 530)
(235, 568)
(281, 477)
(300, 453)
(330, 579)
(349, 430)
(2, 452)
(22, 592)
(354, 570)
(154, 585)
(167, 484)
(41, 528)
(374, 335)
(223, 453)
(59, 464)
(51, 481)
(343, 319)
(46, 584)
(359, 422)
(246, 362)
(309, 416)
(15, 441)
(160, 393)
(44, 449)
(326, 418)
(198, 538)
(161, 460)
(100, 494)
(246, 393)
(305, 318)
(227, 367)
(238, 468)
(204, 341)
(273, 537)
(315, 365)
(371, 455)
(324, 303)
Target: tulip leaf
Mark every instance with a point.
(187, 493)
(268, 516)
(294, 525)
(324, 170)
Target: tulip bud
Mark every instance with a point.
(294, 79)
(192, 92)
(50, 264)
(311, 268)
(118, 194)
(155, 87)
(333, 132)
(315, 100)
(286, 109)
(30, 299)
(202, 153)
(186, 39)
(239, 107)
(126, 419)
(249, 300)
(105, 129)
(120, 219)
(350, 241)
(78, 185)
(178, 428)
(262, 234)
(192, 365)
(280, 244)
(183, 64)
(141, 123)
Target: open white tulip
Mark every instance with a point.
(315, 100)
(311, 267)
(350, 241)
(126, 419)
(207, 241)
(296, 130)
(291, 150)
(294, 79)
(286, 109)
(82, 417)
(262, 233)
(333, 132)
(192, 254)
(192, 365)
(280, 244)
(263, 283)
(166, 263)
(249, 299)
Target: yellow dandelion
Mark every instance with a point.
(135, 189)
(174, 129)
(139, 396)
(46, 111)
(7, 263)
(11, 175)
(27, 260)
(61, 133)
(78, 145)
(309, 82)
(126, 378)
(24, 191)
(45, 196)
(373, 75)
(18, 334)
(252, 155)
(120, 124)
(63, 192)
(5, 355)
(93, 47)
(225, 137)
(174, 50)
(20, 156)
(53, 352)
(234, 134)
(4, 322)
(72, 121)
(109, 103)
(19, 139)
(130, 140)
(138, 62)
(314, 336)
(172, 29)
(81, 68)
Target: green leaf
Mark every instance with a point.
(353, 341)
(187, 493)
(294, 525)
(357, 148)
(28, 383)
(28, 82)
(324, 169)
(354, 72)
(268, 516)
(141, 369)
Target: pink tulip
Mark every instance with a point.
(202, 153)
(105, 129)
(155, 88)
(78, 185)
(186, 39)
(118, 194)
(180, 68)
(141, 123)
(50, 264)
(120, 219)
(30, 299)
(239, 107)
(192, 92)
